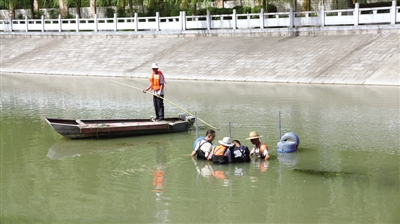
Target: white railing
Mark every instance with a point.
(350, 17)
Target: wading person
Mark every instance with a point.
(221, 154)
(260, 150)
(239, 153)
(157, 84)
(203, 147)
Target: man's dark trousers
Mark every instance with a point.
(159, 107)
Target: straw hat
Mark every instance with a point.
(253, 135)
(226, 141)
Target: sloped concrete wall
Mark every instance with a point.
(370, 56)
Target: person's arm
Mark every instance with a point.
(193, 153)
(228, 154)
(209, 157)
(252, 151)
(266, 154)
(162, 82)
(147, 89)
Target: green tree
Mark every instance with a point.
(78, 7)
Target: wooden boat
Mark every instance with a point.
(112, 128)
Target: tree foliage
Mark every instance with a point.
(129, 7)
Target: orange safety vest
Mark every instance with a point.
(220, 150)
(155, 80)
(262, 148)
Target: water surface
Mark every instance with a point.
(350, 132)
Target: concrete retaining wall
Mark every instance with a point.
(368, 55)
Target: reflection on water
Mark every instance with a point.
(70, 148)
(346, 168)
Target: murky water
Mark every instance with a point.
(346, 169)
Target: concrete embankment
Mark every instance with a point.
(358, 55)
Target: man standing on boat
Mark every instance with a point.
(157, 83)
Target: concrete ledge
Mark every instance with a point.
(267, 32)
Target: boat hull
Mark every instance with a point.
(114, 128)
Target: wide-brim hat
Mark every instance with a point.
(226, 141)
(253, 135)
(154, 65)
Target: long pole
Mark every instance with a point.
(229, 129)
(279, 126)
(167, 101)
(197, 126)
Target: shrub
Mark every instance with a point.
(53, 14)
(121, 12)
(212, 10)
(109, 13)
(175, 12)
(378, 4)
(242, 9)
(202, 12)
(69, 16)
(270, 8)
(39, 14)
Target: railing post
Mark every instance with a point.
(262, 19)
(291, 18)
(136, 22)
(184, 19)
(11, 24)
(115, 22)
(356, 14)
(180, 21)
(322, 15)
(393, 13)
(59, 23)
(208, 20)
(95, 23)
(26, 23)
(42, 23)
(234, 19)
(77, 22)
(158, 21)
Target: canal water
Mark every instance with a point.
(346, 169)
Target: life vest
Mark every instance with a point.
(155, 80)
(219, 155)
(263, 147)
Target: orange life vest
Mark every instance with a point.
(262, 148)
(219, 155)
(220, 150)
(260, 152)
(155, 80)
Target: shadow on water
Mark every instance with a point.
(323, 173)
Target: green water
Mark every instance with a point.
(348, 132)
